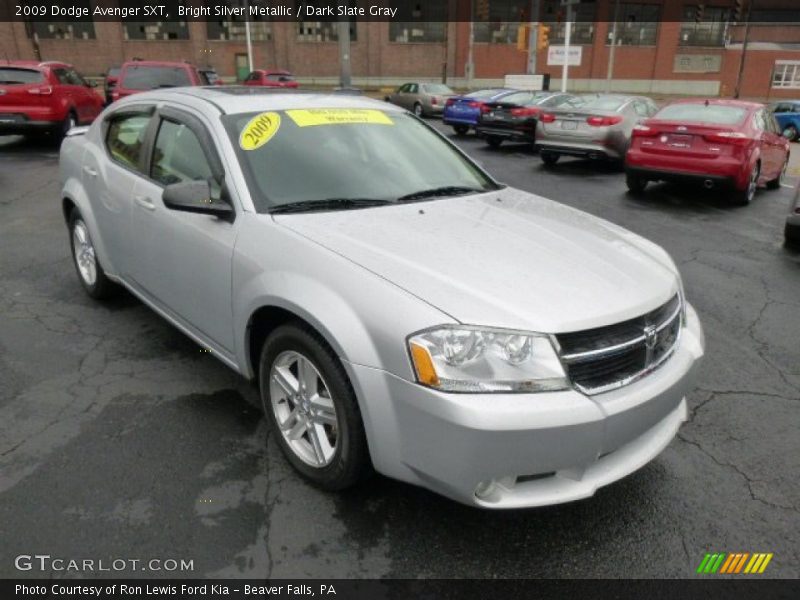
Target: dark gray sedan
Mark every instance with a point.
(600, 128)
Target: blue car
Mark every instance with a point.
(787, 114)
(462, 112)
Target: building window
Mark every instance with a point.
(709, 31)
(423, 22)
(322, 31)
(155, 30)
(583, 17)
(234, 31)
(786, 74)
(62, 30)
(637, 25)
(499, 21)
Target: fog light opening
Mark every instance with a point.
(491, 490)
(485, 489)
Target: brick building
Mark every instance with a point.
(665, 47)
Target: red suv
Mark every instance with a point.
(717, 143)
(282, 79)
(142, 75)
(44, 97)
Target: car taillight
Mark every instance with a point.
(474, 104)
(603, 121)
(727, 137)
(434, 100)
(485, 108)
(644, 131)
(449, 102)
(525, 112)
(547, 117)
(45, 90)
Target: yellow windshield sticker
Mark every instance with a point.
(338, 116)
(259, 130)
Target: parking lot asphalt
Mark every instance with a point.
(121, 438)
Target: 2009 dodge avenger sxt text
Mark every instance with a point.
(398, 307)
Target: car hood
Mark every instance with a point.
(504, 259)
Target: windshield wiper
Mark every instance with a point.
(327, 204)
(447, 190)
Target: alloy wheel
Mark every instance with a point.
(85, 258)
(303, 409)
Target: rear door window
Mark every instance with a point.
(14, 76)
(149, 78)
(125, 139)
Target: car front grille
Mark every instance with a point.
(605, 358)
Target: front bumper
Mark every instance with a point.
(535, 449)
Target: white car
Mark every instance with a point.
(399, 308)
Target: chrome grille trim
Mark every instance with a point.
(624, 356)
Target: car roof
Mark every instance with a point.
(156, 63)
(34, 64)
(720, 102)
(233, 99)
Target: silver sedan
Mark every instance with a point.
(423, 99)
(600, 128)
(792, 232)
(410, 316)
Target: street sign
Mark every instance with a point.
(555, 55)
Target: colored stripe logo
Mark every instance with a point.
(734, 563)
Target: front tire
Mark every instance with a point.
(418, 110)
(312, 409)
(791, 133)
(87, 266)
(774, 184)
(791, 236)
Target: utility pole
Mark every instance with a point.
(247, 36)
(533, 38)
(610, 72)
(470, 66)
(344, 52)
(744, 49)
(567, 34)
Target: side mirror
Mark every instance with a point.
(195, 197)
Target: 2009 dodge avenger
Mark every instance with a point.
(399, 308)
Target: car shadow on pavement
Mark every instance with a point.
(17, 144)
(687, 198)
(583, 167)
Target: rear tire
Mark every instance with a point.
(494, 141)
(549, 158)
(461, 129)
(312, 419)
(418, 110)
(635, 183)
(87, 266)
(745, 196)
(774, 184)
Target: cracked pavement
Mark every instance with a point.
(120, 438)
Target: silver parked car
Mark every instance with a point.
(792, 231)
(423, 99)
(415, 317)
(600, 128)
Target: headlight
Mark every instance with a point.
(463, 358)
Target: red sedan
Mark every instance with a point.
(44, 97)
(716, 143)
(282, 79)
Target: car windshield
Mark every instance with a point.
(316, 155)
(148, 78)
(604, 102)
(438, 88)
(11, 76)
(718, 114)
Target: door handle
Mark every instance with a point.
(144, 202)
(90, 171)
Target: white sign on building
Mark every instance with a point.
(555, 56)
